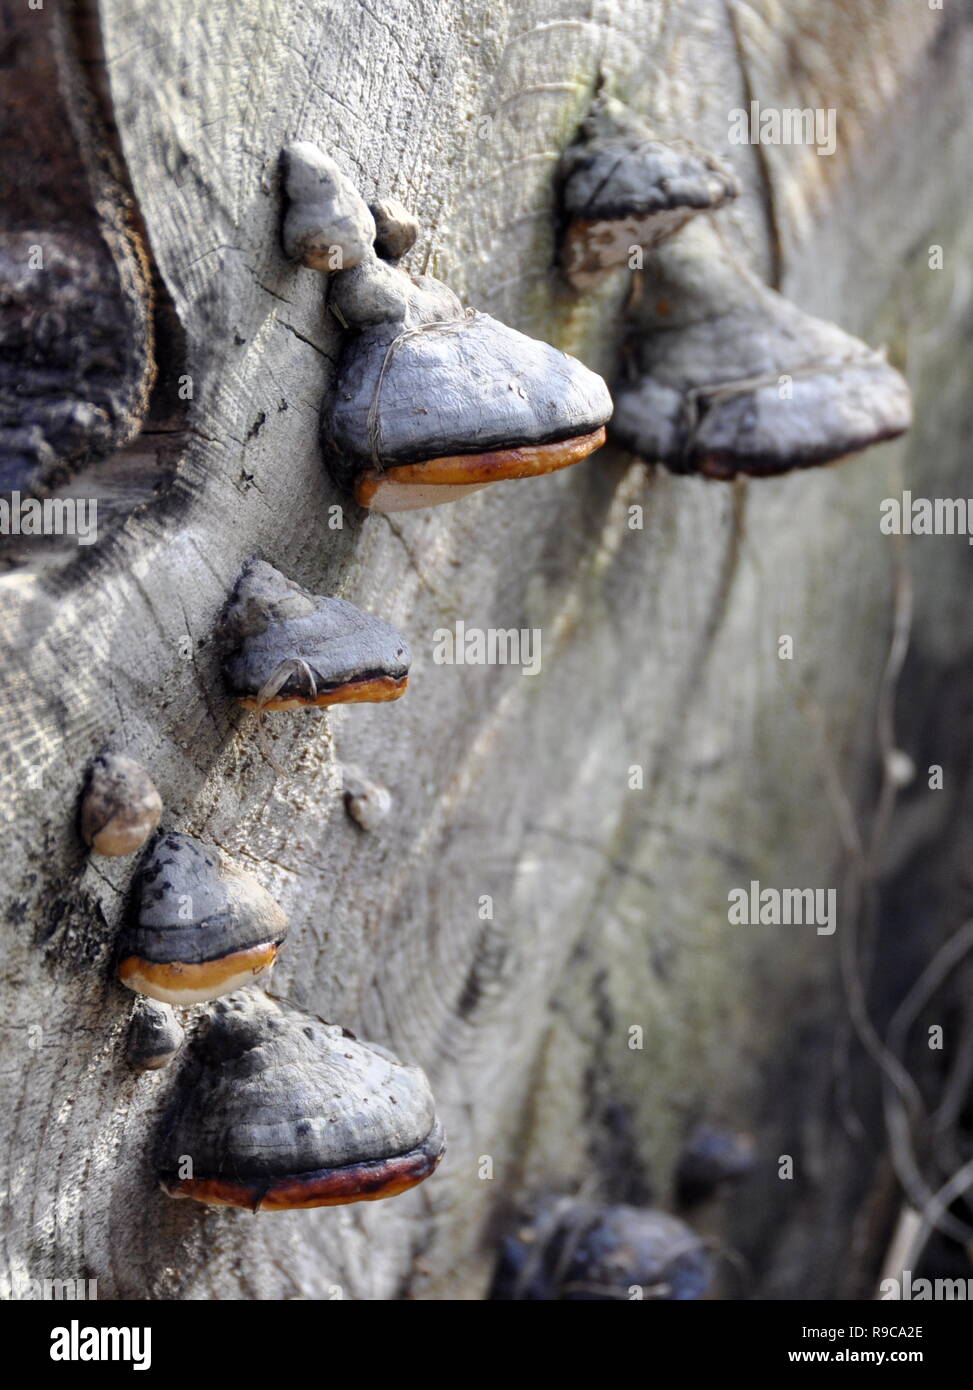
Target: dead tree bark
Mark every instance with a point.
(660, 645)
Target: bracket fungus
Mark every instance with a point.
(727, 376)
(201, 926)
(155, 1035)
(622, 188)
(711, 1159)
(396, 229)
(277, 1110)
(327, 225)
(366, 801)
(291, 648)
(432, 402)
(568, 1250)
(120, 807)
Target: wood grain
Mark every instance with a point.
(659, 649)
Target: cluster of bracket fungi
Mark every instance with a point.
(431, 402)
(721, 375)
(277, 1109)
(274, 1109)
(566, 1249)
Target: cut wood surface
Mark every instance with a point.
(659, 646)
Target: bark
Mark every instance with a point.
(660, 645)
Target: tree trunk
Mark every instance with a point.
(660, 645)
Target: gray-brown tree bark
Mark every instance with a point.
(660, 645)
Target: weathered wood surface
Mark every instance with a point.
(659, 647)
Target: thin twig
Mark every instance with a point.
(902, 1100)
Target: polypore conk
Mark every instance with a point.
(201, 926)
(711, 1159)
(290, 648)
(155, 1035)
(395, 229)
(726, 376)
(120, 807)
(367, 802)
(432, 402)
(569, 1250)
(621, 188)
(327, 225)
(278, 1110)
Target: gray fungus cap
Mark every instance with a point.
(279, 1109)
(434, 382)
(201, 926)
(730, 377)
(290, 647)
(568, 1250)
(622, 187)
